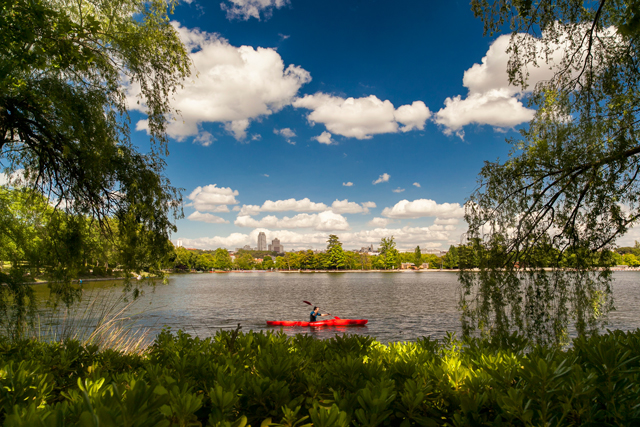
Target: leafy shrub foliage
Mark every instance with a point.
(238, 379)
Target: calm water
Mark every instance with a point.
(399, 306)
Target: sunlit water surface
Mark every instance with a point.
(399, 306)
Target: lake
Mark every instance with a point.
(400, 306)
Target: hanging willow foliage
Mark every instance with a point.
(570, 185)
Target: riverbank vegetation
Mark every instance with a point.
(334, 257)
(183, 259)
(236, 379)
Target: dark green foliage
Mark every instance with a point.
(335, 254)
(234, 379)
(571, 181)
(66, 68)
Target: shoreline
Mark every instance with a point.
(107, 279)
(322, 271)
(97, 279)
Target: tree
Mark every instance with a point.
(630, 260)
(450, 259)
(38, 241)
(365, 261)
(571, 181)
(185, 259)
(267, 263)
(418, 257)
(29, 231)
(351, 259)
(389, 257)
(244, 261)
(205, 262)
(66, 69)
(335, 254)
(222, 259)
(433, 260)
(281, 263)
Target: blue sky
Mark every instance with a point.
(365, 119)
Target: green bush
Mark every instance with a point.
(239, 379)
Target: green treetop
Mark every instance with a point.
(417, 257)
(389, 257)
(335, 254)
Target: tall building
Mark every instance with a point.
(276, 246)
(262, 241)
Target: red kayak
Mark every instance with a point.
(331, 322)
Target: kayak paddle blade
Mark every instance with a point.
(306, 302)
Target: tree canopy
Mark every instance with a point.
(389, 257)
(335, 254)
(65, 72)
(65, 69)
(571, 180)
(418, 257)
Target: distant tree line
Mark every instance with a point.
(544, 256)
(333, 258)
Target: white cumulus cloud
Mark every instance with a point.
(362, 118)
(249, 210)
(448, 221)
(442, 227)
(204, 138)
(246, 9)
(207, 217)
(302, 205)
(230, 85)
(231, 241)
(382, 178)
(324, 138)
(406, 238)
(398, 190)
(345, 206)
(323, 221)
(423, 208)
(412, 116)
(491, 100)
(211, 198)
(347, 184)
(379, 222)
(416, 184)
(287, 133)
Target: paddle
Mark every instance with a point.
(307, 302)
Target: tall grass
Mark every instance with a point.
(105, 319)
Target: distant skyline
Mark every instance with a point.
(361, 119)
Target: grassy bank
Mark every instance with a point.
(238, 379)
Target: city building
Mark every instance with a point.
(276, 246)
(262, 241)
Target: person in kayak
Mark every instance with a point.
(315, 313)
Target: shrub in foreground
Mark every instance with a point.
(236, 379)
